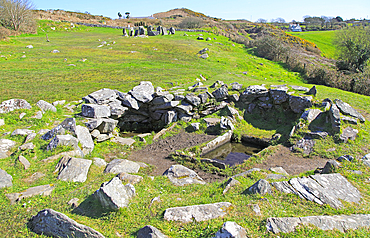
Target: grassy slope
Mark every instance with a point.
(323, 39)
(43, 75)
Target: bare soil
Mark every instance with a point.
(293, 163)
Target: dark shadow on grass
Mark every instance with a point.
(91, 207)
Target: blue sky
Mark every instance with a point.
(226, 9)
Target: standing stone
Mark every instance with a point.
(51, 223)
(73, 169)
(197, 212)
(180, 175)
(172, 31)
(95, 111)
(83, 135)
(5, 179)
(261, 186)
(14, 104)
(45, 106)
(231, 230)
(150, 232)
(335, 118)
(310, 115)
(131, 31)
(312, 91)
(114, 195)
(169, 117)
(164, 31)
(25, 163)
(117, 166)
(141, 30)
(99, 162)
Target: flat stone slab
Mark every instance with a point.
(339, 222)
(220, 140)
(44, 190)
(5, 179)
(117, 166)
(180, 175)
(197, 212)
(123, 141)
(51, 223)
(322, 189)
(73, 169)
(346, 109)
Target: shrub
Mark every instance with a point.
(191, 22)
(17, 15)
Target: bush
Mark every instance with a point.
(17, 15)
(270, 48)
(191, 23)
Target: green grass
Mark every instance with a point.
(323, 39)
(43, 75)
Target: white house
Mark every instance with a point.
(295, 27)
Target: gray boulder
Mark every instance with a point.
(172, 31)
(129, 101)
(300, 88)
(346, 109)
(99, 162)
(203, 97)
(95, 111)
(44, 190)
(304, 145)
(130, 178)
(348, 134)
(117, 166)
(25, 163)
(143, 92)
(163, 99)
(299, 104)
(46, 106)
(335, 118)
(236, 86)
(150, 232)
(169, 117)
(348, 158)
(193, 100)
(310, 115)
(221, 93)
(5, 146)
(113, 194)
(180, 175)
(93, 123)
(107, 126)
(312, 91)
(62, 140)
(51, 223)
(204, 56)
(331, 167)
(14, 104)
(102, 96)
(73, 169)
(231, 230)
(83, 135)
(5, 179)
(30, 137)
(197, 212)
(261, 186)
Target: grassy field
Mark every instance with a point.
(323, 39)
(166, 61)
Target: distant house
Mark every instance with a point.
(295, 27)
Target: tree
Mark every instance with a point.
(280, 20)
(127, 15)
(261, 20)
(339, 19)
(16, 13)
(353, 48)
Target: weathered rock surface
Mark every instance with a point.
(44, 190)
(83, 135)
(46, 106)
(51, 223)
(279, 95)
(335, 118)
(348, 134)
(304, 145)
(261, 187)
(95, 111)
(113, 194)
(340, 222)
(22, 132)
(299, 104)
(130, 178)
(346, 109)
(220, 140)
(180, 176)
(73, 169)
(197, 212)
(63, 140)
(220, 93)
(231, 230)
(5, 179)
(117, 166)
(143, 92)
(14, 104)
(68, 124)
(150, 232)
(102, 96)
(5, 146)
(107, 126)
(25, 163)
(331, 167)
(322, 189)
(310, 115)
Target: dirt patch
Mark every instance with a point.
(156, 153)
(291, 162)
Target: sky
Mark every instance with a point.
(225, 9)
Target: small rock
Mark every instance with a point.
(5, 179)
(231, 182)
(27, 146)
(150, 232)
(279, 170)
(331, 167)
(73, 202)
(256, 209)
(117, 166)
(129, 178)
(45, 106)
(348, 158)
(231, 230)
(99, 162)
(261, 187)
(180, 175)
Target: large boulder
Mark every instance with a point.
(102, 96)
(117, 166)
(150, 232)
(107, 125)
(346, 109)
(298, 104)
(335, 118)
(180, 175)
(51, 223)
(5, 179)
(197, 212)
(221, 93)
(46, 106)
(231, 230)
(261, 187)
(143, 92)
(114, 195)
(95, 111)
(63, 140)
(14, 104)
(129, 101)
(73, 169)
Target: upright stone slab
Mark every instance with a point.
(114, 195)
(310, 114)
(14, 104)
(74, 170)
(46, 106)
(180, 175)
(335, 118)
(197, 212)
(83, 135)
(5, 179)
(51, 223)
(95, 111)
